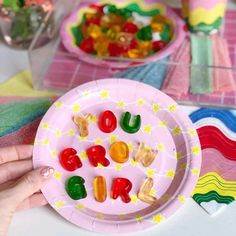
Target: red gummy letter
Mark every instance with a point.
(96, 154)
(69, 160)
(107, 122)
(121, 187)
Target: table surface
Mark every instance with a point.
(190, 220)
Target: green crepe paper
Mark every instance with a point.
(201, 77)
(135, 7)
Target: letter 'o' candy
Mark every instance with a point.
(100, 188)
(96, 155)
(69, 160)
(121, 188)
(130, 127)
(119, 152)
(75, 187)
(107, 122)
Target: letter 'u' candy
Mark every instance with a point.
(69, 160)
(75, 187)
(96, 155)
(119, 152)
(107, 122)
(100, 188)
(121, 188)
(127, 125)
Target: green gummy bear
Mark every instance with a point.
(166, 33)
(125, 123)
(145, 33)
(75, 188)
(78, 36)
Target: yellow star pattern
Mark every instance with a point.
(139, 218)
(170, 173)
(192, 132)
(196, 149)
(177, 155)
(150, 172)
(147, 129)
(158, 218)
(104, 94)
(85, 93)
(195, 171)
(133, 162)
(45, 125)
(176, 131)
(58, 133)
(80, 206)
(45, 141)
(181, 198)
(155, 107)
(83, 155)
(172, 107)
(160, 146)
(59, 204)
(162, 123)
(100, 166)
(140, 102)
(58, 104)
(54, 153)
(93, 119)
(121, 104)
(130, 146)
(71, 132)
(134, 199)
(98, 141)
(76, 108)
(183, 166)
(113, 138)
(82, 139)
(118, 166)
(100, 216)
(57, 175)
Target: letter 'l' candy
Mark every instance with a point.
(75, 187)
(100, 188)
(107, 122)
(121, 188)
(69, 160)
(96, 154)
(130, 127)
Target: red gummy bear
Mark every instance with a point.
(87, 45)
(121, 187)
(158, 45)
(130, 27)
(115, 50)
(95, 20)
(107, 122)
(69, 160)
(133, 44)
(98, 8)
(96, 154)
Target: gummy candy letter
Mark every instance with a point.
(75, 187)
(100, 188)
(69, 160)
(121, 188)
(107, 122)
(144, 192)
(96, 155)
(130, 127)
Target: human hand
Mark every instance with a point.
(19, 184)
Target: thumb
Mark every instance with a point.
(29, 184)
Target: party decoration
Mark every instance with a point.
(69, 160)
(144, 192)
(121, 188)
(119, 152)
(100, 188)
(145, 155)
(127, 125)
(75, 188)
(96, 155)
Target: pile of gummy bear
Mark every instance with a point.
(127, 32)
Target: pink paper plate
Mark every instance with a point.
(75, 18)
(165, 127)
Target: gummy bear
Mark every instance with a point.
(157, 27)
(145, 33)
(125, 123)
(94, 31)
(130, 27)
(121, 188)
(107, 122)
(101, 46)
(158, 45)
(113, 31)
(96, 155)
(144, 192)
(116, 50)
(75, 188)
(119, 152)
(69, 160)
(100, 188)
(87, 45)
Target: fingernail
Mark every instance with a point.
(46, 172)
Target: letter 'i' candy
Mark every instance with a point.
(96, 155)
(107, 122)
(130, 127)
(69, 160)
(100, 188)
(75, 187)
(121, 188)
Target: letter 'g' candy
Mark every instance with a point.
(96, 154)
(121, 188)
(107, 122)
(100, 188)
(69, 160)
(75, 187)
